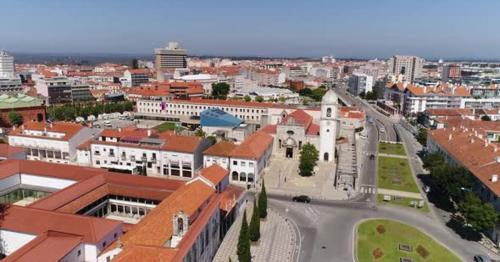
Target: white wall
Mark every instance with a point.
(10, 182)
(73, 254)
(41, 181)
(14, 240)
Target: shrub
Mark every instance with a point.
(380, 229)
(377, 253)
(422, 251)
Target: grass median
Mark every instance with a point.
(383, 240)
(395, 173)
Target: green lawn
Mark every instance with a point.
(165, 127)
(403, 201)
(395, 173)
(385, 236)
(392, 149)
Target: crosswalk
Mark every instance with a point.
(368, 189)
(310, 212)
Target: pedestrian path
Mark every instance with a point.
(398, 193)
(277, 242)
(392, 155)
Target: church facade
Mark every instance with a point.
(297, 128)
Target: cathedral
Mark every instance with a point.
(301, 126)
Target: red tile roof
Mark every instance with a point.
(49, 246)
(473, 152)
(7, 151)
(214, 173)
(222, 148)
(36, 222)
(254, 146)
(67, 128)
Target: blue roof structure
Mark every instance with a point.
(217, 117)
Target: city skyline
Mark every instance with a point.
(362, 29)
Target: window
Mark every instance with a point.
(328, 112)
(243, 163)
(79, 253)
(235, 162)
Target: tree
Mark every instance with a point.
(199, 132)
(318, 93)
(433, 160)
(259, 99)
(212, 140)
(220, 90)
(422, 136)
(305, 92)
(247, 98)
(282, 99)
(371, 95)
(309, 156)
(481, 216)
(135, 64)
(263, 201)
(15, 118)
(243, 249)
(254, 229)
(485, 118)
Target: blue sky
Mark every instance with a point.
(354, 28)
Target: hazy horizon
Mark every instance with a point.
(361, 29)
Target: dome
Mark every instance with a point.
(330, 98)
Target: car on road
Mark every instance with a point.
(302, 199)
(481, 258)
(372, 157)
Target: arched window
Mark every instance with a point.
(243, 176)
(325, 157)
(250, 177)
(180, 225)
(329, 112)
(235, 176)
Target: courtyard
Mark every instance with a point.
(282, 177)
(388, 240)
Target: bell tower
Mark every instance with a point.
(328, 126)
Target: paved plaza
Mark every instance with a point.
(282, 177)
(277, 242)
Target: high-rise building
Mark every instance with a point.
(409, 67)
(9, 82)
(169, 57)
(450, 72)
(6, 65)
(360, 83)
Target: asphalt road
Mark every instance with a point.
(326, 233)
(389, 133)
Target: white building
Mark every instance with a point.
(55, 142)
(7, 68)
(360, 83)
(245, 161)
(139, 150)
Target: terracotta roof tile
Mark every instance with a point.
(254, 146)
(214, 173)
(222, 148)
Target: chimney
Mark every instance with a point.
(472, 141)
(494, 178)
(120, 129)
(51, 125)
(450, 136)
(485, 143)
(149, 132)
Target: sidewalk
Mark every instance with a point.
(392, 155)
(277, 242)
(391, 192)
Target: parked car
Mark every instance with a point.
(481, 258)
(427, 189)
(302, 198)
